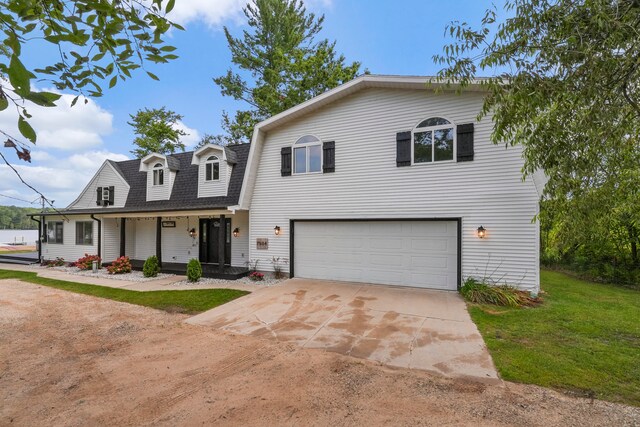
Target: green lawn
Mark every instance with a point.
(187, 301)
(10, 252)
(584, 339)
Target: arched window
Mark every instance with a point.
(433, 141)
(212, 169)
(158, 174)
(307, 155)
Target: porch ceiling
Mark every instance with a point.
(165, 214)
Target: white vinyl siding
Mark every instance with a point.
(216, 187)
(177, 244)
(111, 239)
(68, 250)
(367, 183)
(105, 177)
(240, 244)
(160, 192)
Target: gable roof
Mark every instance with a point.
(363, 82)
(184, 195)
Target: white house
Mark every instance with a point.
(380, 180)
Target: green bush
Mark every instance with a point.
(151, 267)
(480, 292)
(194, 270)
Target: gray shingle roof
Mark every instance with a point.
(184, 195)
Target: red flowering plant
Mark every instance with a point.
(86, 262)
(256, 277)
(120, 266)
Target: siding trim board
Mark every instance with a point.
(457, 220)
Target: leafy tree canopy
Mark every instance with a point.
(286, 63)
(570, 94)
(97, 40)
(157, 132)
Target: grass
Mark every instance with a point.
(584, 339)
(10, 252)
(187, 301)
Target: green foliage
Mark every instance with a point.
(287, 65)
(568, 93)
(583, 339)
(15, 218)
(121, 265)
(96, 40)
(157, 131)
(58, 262)
(188, 301)
(194, 270)
(151, 267)
(86, 262)
(480, 292)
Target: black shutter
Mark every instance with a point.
(328, 156)
(465, 142)
(403, 149)
(285, 166)
(99, 196)
(45, 235)
(111, 191)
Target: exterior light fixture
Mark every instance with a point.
(193, 233)
(236, 232)
(276, 230)
(482, 232)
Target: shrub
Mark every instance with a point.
(58, 262)
(120, 266)
(86, 262)
(256, 277)
(277, 267)
(151, 267)
(194, 270)
(480, 292)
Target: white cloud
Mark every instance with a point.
(213, 13)
(63, 127)
(193, 136)
(92, 160)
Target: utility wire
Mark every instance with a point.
(16, 198)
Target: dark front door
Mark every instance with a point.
(210, 238)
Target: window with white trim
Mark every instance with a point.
(84, 233)
(158, 174)
(212, 169)
(55, 232)
(307, 155)
(433, 141)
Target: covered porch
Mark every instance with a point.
(218, 239)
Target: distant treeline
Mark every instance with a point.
(15, 218)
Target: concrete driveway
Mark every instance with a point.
(404, 327)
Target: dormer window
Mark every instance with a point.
(158, 174)
(433, 141)
(212, 168)
(307, 155)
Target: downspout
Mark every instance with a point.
(99, 234)
(39, 237)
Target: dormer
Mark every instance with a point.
(215, 164)
(161, 174)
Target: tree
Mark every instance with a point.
(568, 91)
(157, 131)
(286, 63)
(211, 139)
(96, 40)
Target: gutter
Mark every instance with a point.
(39, 236)
(99, 233)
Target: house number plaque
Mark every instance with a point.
(262, 243)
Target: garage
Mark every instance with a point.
(416, 253)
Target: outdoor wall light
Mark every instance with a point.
(482, 232)
(236, 232)
(193, 233)
(276, 230)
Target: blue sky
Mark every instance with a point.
(387, 37)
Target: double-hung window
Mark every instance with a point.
(55, 232)
(84, 233)
(158, 174)
(307, 155)
(212, 169)
(433, 141)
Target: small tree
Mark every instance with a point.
(194, 270)
(151, 267)
(157, 131)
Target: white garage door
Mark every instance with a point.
(421, 254)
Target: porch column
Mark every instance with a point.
(222, 240)
(123, 235)
(159, 240)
